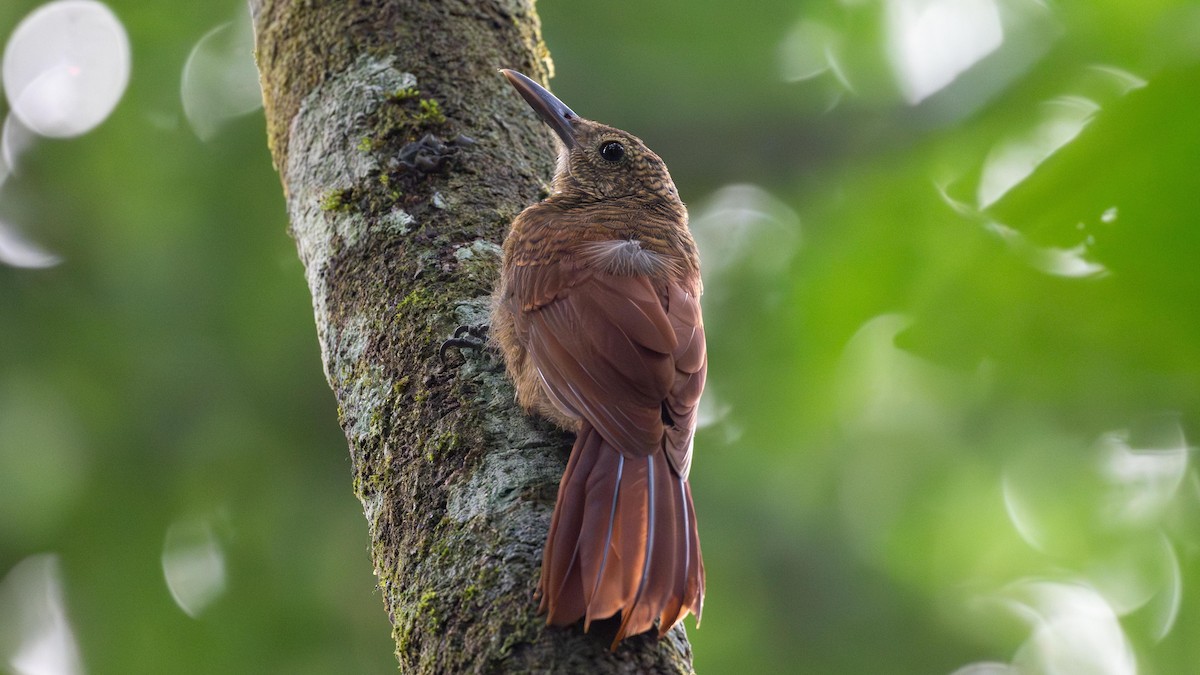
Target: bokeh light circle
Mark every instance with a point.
(66, 66)
(220, 78)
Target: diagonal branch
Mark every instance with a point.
(403, 157)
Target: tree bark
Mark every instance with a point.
(403, 157)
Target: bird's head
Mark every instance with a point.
(597, 162)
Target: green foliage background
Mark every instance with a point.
(917, 415)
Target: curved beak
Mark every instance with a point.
(552, 111)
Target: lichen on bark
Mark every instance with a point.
(403, 158)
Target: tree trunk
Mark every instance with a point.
(403, 156)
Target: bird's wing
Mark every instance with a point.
(691, 368)
(624, 352)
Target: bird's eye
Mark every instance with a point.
(612, 151)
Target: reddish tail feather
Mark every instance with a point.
(622, 539)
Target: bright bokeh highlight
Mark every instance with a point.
(66, 65)
(220, 79)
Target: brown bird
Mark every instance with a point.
(598, 316)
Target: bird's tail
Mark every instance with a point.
(623, 539)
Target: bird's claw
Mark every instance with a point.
(465, 337)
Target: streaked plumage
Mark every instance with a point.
(598, 316)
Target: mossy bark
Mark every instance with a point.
(404, 156)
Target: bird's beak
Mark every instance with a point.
(552, 111)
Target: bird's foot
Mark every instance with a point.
(465, 337)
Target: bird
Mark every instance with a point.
(597, 315)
